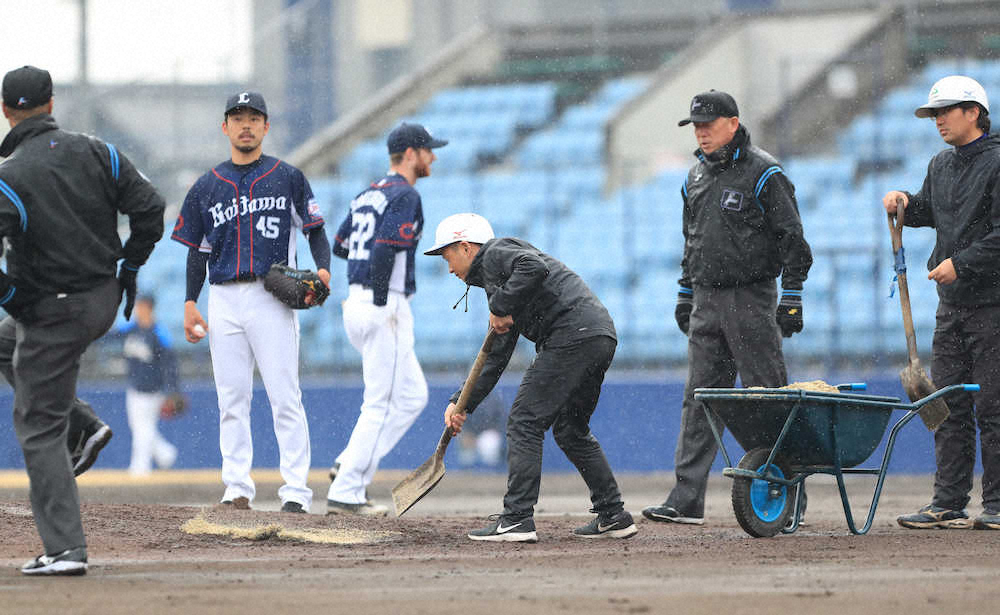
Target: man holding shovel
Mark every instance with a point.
(960, 198)
(534, 295)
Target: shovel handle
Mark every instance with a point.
(470, 382)
(896, 230)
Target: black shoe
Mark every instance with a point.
(292, 507)
(507, 530)
(989, 520)
(90, 442)
(669, 514)
(71, 562)
(930, 517)
(617, 525)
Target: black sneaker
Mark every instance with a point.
(987, 521)
(669, 514)
(90, 442)
(71, 562)
(931, 516)
(617, 525)
(506, 530)
(292, 507)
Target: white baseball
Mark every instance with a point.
(199, 330)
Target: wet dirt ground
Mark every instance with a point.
(141, 561)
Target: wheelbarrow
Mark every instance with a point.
(790, 434)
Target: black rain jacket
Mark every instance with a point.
(741, 223)
(550, 304)
(60, 196)
(960, 198)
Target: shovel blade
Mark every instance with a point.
(419, 483)
(917, 386)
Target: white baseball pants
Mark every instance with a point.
(395, 388)
(247, 324)
(148, 445)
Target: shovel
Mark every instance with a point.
(419, 483)
(915, 381)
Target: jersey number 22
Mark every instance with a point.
(361, 234)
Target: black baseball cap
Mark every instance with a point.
(411, 135)
(709, 105)
(248, 100)
(27, 87)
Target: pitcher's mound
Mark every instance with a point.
(255, 525)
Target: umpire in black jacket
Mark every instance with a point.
(741, 231)
(60, 196)
(534, 295)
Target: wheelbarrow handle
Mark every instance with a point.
(941, 392)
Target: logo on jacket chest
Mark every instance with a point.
(224, 212)
(731, 199)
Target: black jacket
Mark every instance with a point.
(960, 198)
(60, 196)
(741, 223)
(550, 304)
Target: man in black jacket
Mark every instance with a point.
(60, 196)
(960, 199)
(741, 231)
(534, 295)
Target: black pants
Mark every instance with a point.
(732, 331)
(560, 390)
(46, 366)
(82, 415)
(967, 350)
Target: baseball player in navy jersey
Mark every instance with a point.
(379, 240)
(240, 218)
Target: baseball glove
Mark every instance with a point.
(293, 286)
(173, 406)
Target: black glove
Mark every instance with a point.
(126, 280)
(682, 313)
(789, 315)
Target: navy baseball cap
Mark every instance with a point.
(411, 135)
(710, 105)
(248, 100)
(27, 87)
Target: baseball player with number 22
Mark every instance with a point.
(241, 218)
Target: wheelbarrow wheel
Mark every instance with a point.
(762, 508)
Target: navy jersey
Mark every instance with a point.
(245, 216)
(152, 365)
(379, 237)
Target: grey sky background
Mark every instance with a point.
(199, 41)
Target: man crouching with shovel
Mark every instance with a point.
(534, 295)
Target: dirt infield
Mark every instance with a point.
(141, 561)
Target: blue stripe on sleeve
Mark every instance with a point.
(763, 179)
(16, 200)
(114, 160)
(684, 188)
(7, 297)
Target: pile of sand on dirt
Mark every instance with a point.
(250, 529)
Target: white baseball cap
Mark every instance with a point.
(460, 227)
(951, 91)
